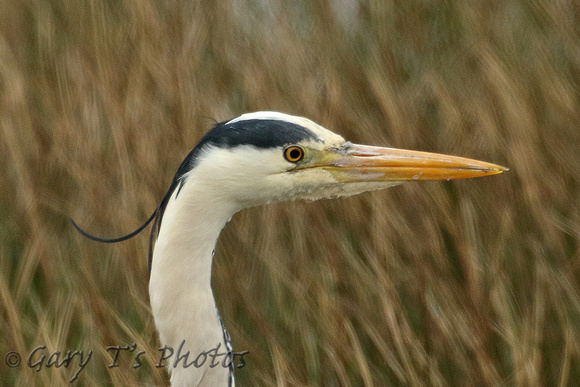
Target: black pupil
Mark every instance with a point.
(295, 154)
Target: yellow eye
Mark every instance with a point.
(294, 154)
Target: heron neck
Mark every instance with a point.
(180, 291)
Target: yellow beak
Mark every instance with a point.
(362, 163)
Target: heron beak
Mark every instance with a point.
(362, 163)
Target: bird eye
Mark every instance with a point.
(294, 154)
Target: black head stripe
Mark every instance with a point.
(259, 133)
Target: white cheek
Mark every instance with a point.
(241, 175)
(307, 184)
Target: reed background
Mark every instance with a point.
(463, 283)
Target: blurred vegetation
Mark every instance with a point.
(463, 283)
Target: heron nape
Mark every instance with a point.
(252, 160)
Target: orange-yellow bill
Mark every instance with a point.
(369, 163)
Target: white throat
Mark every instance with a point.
(180, 291)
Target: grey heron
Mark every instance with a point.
(249, 161)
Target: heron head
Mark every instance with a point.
(263, 157)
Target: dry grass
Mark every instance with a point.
(463, 284)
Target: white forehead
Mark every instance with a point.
(328, 137)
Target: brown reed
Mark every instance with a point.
(463, 283)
